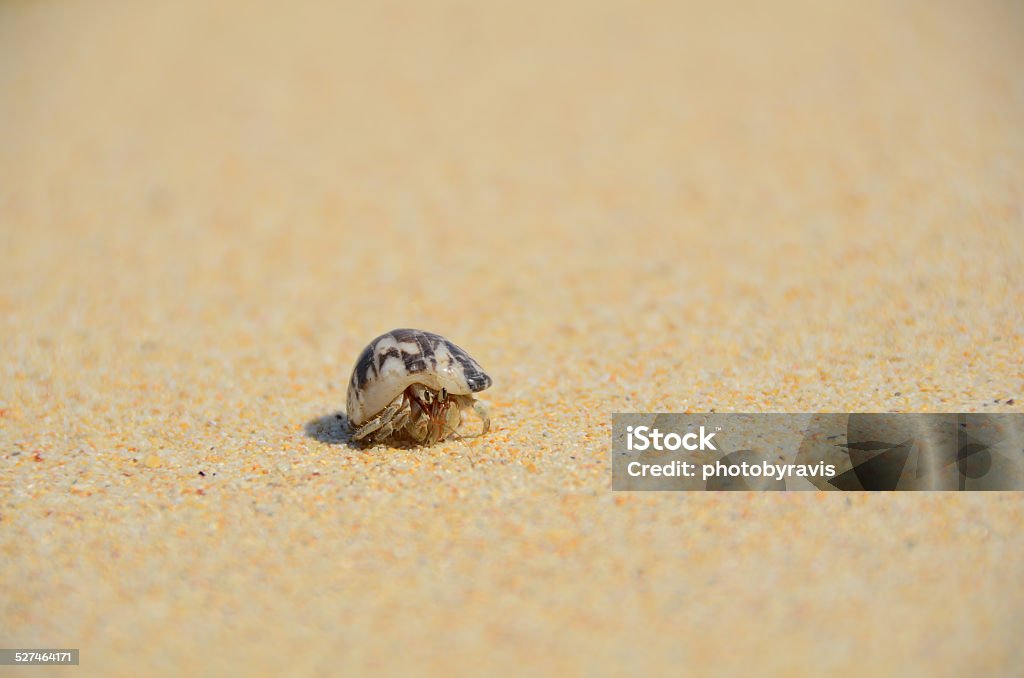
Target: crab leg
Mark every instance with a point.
(381, 419)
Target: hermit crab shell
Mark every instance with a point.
(396, 360)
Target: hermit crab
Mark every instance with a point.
(415, 385)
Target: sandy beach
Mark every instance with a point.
(208, 209)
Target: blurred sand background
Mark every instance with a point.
(207, 210)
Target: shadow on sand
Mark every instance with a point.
(331, 429)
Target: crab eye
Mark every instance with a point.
(444, 393)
